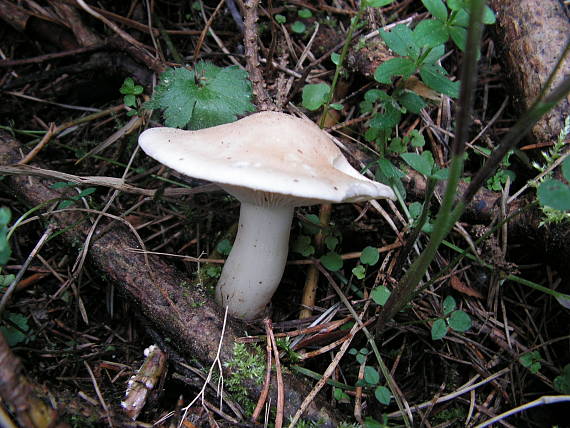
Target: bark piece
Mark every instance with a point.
(533, 36)
(188, 315)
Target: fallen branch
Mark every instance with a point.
(188, 315)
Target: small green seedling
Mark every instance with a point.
(371, 377)
(71, 200)
(280, 19)
(131, 93)
(298, 27)
(531, 360)
(369, 256)
(457, 320)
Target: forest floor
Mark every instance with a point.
(108, 252)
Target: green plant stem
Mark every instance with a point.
(444, 220)
(412, 238)
(353, 24)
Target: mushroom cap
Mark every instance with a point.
(267, 158)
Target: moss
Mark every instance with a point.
(247, 364)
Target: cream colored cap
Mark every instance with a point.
(267, 158)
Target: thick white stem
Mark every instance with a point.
(257, 260)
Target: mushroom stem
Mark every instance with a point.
(254, 268)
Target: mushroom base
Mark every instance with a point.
(254, 268)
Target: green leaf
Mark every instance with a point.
(413, 103)
(380, 295)
(5, 216)
(531, 360)
(389, 174)
(6, 280)
(204, 97)
(360, 358)
(335, 58)
(440, 174)
(394, 67)
(130, 100)
(315, 95)
(416, 138)
(16, 333)
(302, 245)
(225, 246)
(386, 120)
(562, 383)
(298, 27)
(369, 256)
(566, 168)
(280, 19)
(331, 242)
(459, 36)
(434, 55)
(128, 86)
(415, 209)
(331, 261)
(86, 192)
(371, 375)
(370, 422)
(311, 225)
(436, 8)
(383, 395)
(378, 3)
(488, 16)
(65, 204)
(449, 305)
(397, 145)
(336, 106)
(461, 18)
(401, 40)
(555, 194)
(373, 95)
(430, 33)
(61, 185)
(340, 395)
(460, 321)
(304, 13)
(438, 329)
(433, 76)
(359, 271)
(455, 5)
(422, 163)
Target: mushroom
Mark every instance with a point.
(271, 162)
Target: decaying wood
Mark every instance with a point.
(532, 38)
(17, 392)
(188, 315)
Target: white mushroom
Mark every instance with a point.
(271, 162)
